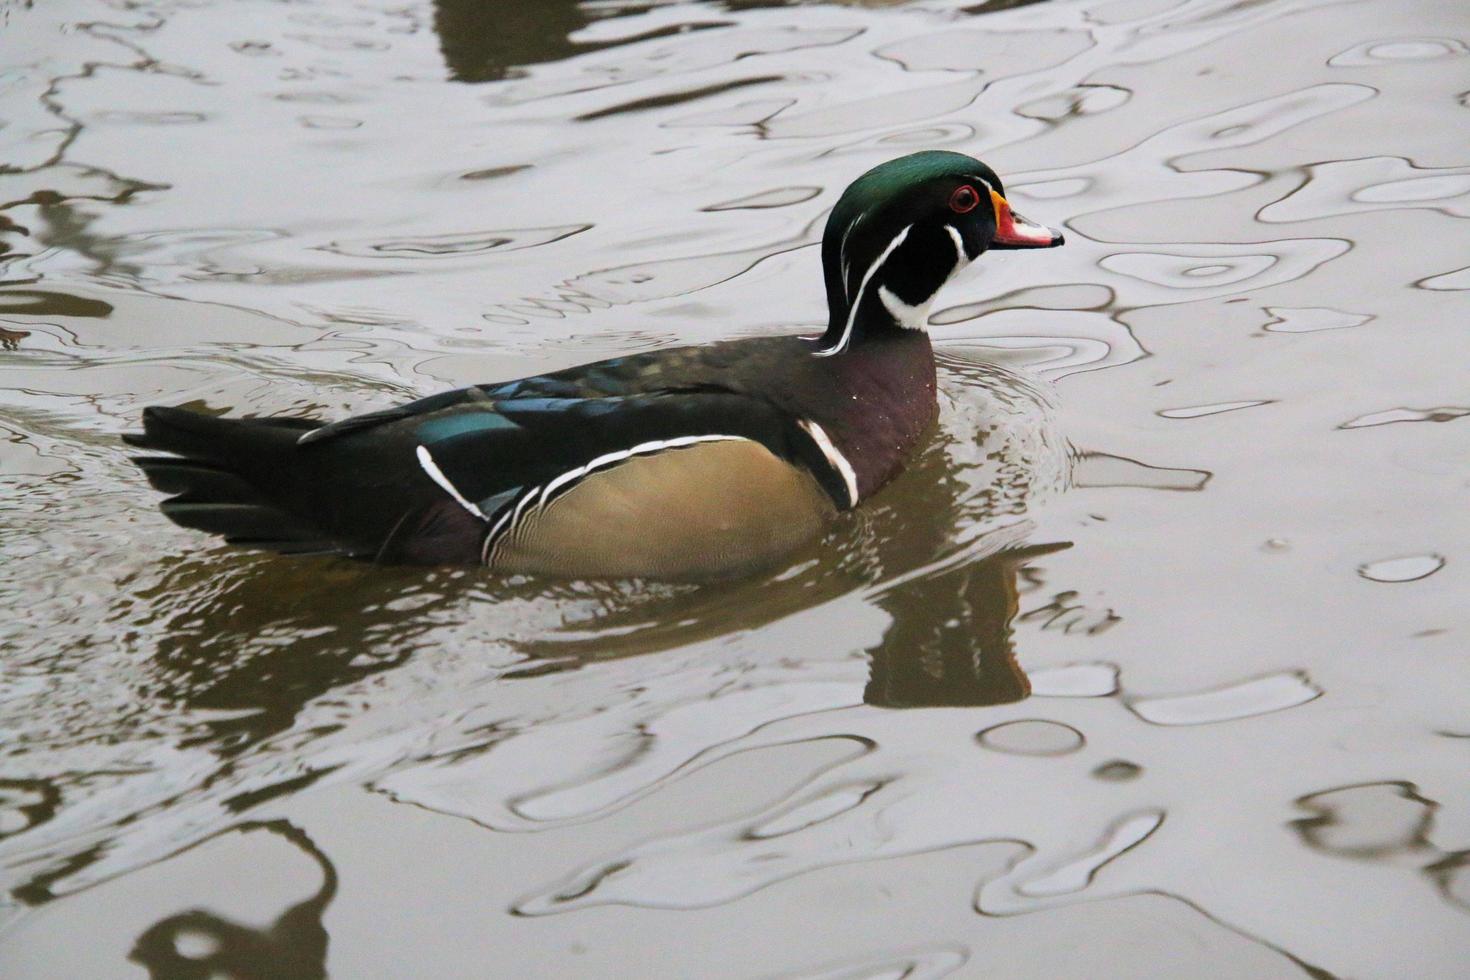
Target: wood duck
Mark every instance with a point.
(686, 463)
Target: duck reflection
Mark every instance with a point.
(486, 40)
(250, 643)
(198, 944)
(951, 642)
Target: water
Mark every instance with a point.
(1152, 665)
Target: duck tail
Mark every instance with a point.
(226, 476)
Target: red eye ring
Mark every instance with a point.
(964, 199)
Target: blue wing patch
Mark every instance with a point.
(463, 423)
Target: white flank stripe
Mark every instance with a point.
(834, 456)
(508, 520)
(521, 506)
(493, 537)
(607, 459)
(852, 312)
(541, 496)
(437, 475)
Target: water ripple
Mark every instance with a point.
(1384, 183)
(925, 964)
(1410, 568)
(1259, 696)
(1308, 319)
(462, 243)
(1209, 270)
(1459, 279)
(1032, 736)
(1398, 50)
(1215, 408)
(1443, 413)
(1076, 874)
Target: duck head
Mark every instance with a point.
(901, 230)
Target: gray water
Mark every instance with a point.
(1153, 664)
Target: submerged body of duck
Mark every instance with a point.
(682, 463)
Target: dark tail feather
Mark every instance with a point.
(197, 480)
(217, 475)
(196, 436)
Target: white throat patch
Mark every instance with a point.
(916, 316)
(961, 259)
(908, 317)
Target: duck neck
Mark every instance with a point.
(867, 302)
(879, 402)
(879, 313)
(873, 319)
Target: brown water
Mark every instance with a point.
(1245, 751)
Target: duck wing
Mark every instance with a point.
(729, 367)
(471, 474)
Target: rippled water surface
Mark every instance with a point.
(1154, 663)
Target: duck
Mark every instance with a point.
(684, 463)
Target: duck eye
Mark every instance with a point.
(964, 199)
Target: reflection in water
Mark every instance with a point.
(951, 638)
(24, 803)
(486, 40)
(199, 945)
(234, 670)
(49, 302)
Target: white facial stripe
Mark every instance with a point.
(959, 248)
(834, 456)
(437, 475)
(852, 312)
(842, 252)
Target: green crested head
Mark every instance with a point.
(901, 230)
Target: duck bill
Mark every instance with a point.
(1014, 231)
